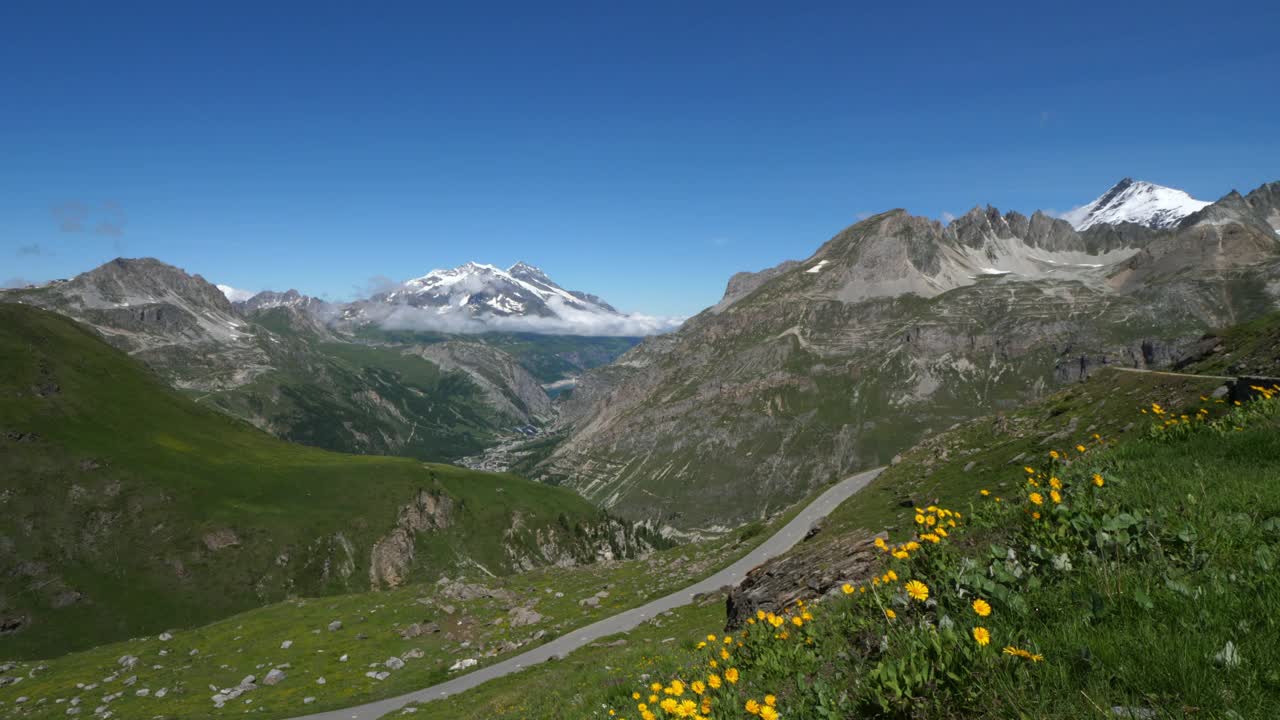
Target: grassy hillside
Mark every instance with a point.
(361, 398)
(469, 617)
(1138, 581)
(128, 509)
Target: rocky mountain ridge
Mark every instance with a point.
(895, 327)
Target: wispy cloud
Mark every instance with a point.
(863, 215)
(721, 241)
(946, 217)
(14, 282)
(32, 249)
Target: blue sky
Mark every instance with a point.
(644, 152)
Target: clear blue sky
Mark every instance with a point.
(643, 154)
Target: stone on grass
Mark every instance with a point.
(286, 644)
(335, 626)
(394, 663)
(273, 677)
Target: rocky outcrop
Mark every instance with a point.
(605, 540)
(391, 559)
(807, 573)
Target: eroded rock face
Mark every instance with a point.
(392, 557)
(807, 574)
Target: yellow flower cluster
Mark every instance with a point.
(698, 697)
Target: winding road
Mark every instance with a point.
(780, 542)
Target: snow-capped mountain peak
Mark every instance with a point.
(476, 297)
(1136, 201)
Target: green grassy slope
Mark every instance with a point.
(323, 394)
(116, 490)
(479, 627)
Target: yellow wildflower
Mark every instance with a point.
(698, 687)
(982, 607)
(770, 700)
(890, 614)
(713, 681)
(753, 707)
(1055, 496)
(1055, 483)
(731, 675)
(880, 543)
(981, 636)
(890, 576)
(847, 589)
(768, 713)
(984, 492)
(917, 590)
(901, 554)
(1054, 454)
(1036, 498)
(1079, 448)
(1097, 480)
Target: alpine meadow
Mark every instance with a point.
(581, 362)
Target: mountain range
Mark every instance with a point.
(346, 377)
(897, 327)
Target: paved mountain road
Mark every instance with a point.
(780, 542)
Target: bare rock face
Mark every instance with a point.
(808, 573)
(392, 557)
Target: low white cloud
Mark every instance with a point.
(567, 320)
(236, 294)
(947, 217)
